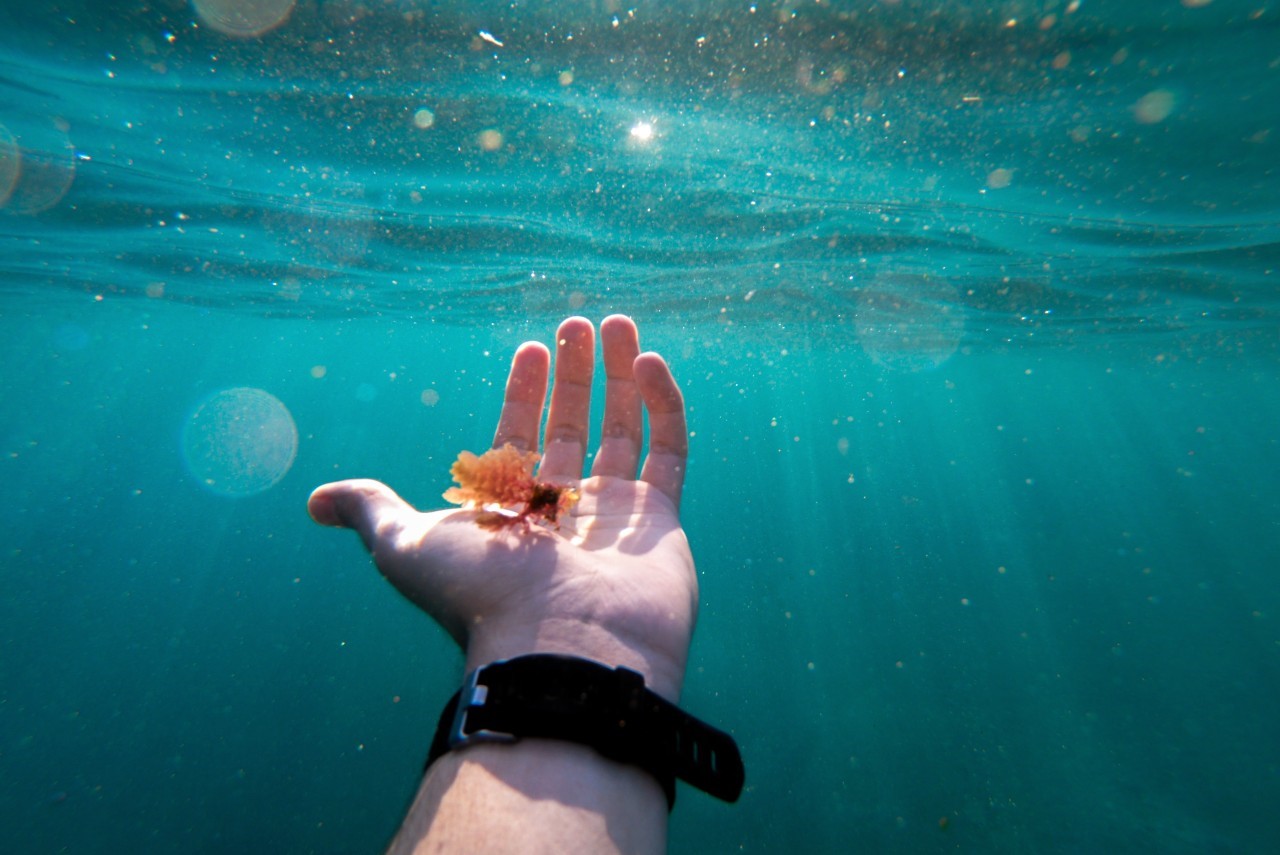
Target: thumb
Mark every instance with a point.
(370, 507)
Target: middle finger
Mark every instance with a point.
(565, 441)
(622, 429)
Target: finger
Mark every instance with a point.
(565, 443)
(621, 431)
(664, 466)
(522, 403)
(370, 507)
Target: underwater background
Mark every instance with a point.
(974, 305)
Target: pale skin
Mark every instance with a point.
(615, 583)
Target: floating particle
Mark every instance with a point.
(423, 118)
(998, 179)
(1154, 107)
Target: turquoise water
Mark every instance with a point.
(974, 305)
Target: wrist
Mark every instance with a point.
(549, 696)
(663, 672)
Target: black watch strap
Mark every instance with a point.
(550, 696)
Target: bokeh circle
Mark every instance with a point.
(40, 164)
(10, 158)
(243, 18)
(909, 322)
(239, 442)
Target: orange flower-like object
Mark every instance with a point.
(503, 478)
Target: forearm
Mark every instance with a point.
(543, 795)
(534, 796)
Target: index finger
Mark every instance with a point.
(664, 466)
(522, 402)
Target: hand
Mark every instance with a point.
(616, 583)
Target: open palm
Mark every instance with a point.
(616, 582)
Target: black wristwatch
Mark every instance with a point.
(550, 696)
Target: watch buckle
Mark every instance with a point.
(473, 696)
